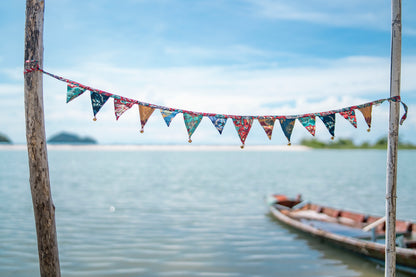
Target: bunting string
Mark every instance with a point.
(192, 118)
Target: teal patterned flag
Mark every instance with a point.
(309, 123)
(73, 92)
(191, 122)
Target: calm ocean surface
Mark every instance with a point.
(192, 213)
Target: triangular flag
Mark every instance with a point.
(329, 121)
(120, 106)
(218, 121)
(97, 101)
(309, 123)
(191, 122)
(350, 116)
(287, 127)
(366, 111)
(243, 126)
(73, 92)
(168, 116)
(145, 112)
(267, 123)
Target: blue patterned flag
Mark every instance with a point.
(73, 92)
(97, 101)
(329, 121)
(191, 122)
(218, 121)
(168, 116)
(287, 127)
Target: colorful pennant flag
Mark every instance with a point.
(73, 92)
(366, 111)
(287, 127)
(191, 122)
(267, 123)
(309, 122)
(97, 101)
(329, 121)
(350, 116)
(168, 115)
(120, 106)
(145, 112)
(218, 121)
(243, 126)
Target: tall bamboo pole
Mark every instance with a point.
(393, 139)
(43, 208)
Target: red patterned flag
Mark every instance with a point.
(120, 106)
(366, 111)
(145, 112)
(309, 123)
(350, 116)
(243, 126)
(267, 123)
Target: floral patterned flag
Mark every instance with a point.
(145, 112)
(73, 92)
(350, 116)
(309, 123)
(191, 122)
(287, 127)
(366, 111)
(120, 106)
(329, 121)
(218, 121)
(168, 116)
(97, 101)
(267, 123)
(243, 126)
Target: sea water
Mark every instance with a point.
(192, 213)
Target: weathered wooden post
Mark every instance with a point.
(43, 207)
(393, 139)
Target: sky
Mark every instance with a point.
(240, 57)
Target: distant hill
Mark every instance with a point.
(5, 139)
(68, 138)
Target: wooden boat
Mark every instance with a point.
(359, 233)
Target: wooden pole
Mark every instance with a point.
(43, 208)
(393, 140)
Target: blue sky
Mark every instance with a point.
(246, 57)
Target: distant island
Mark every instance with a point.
(4, 139)
(349, 144)
(68, 138)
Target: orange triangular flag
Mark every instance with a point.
(366, 111)
(267, 123)
(145, 112)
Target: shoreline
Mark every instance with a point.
(190, 147)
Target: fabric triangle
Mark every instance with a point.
(219, 122)
(366, 111)
(309, 122)
(329, 121)
(168, 116)
(350, 116)
(243, 126)
(97, 101)
(191, 122)
(73, 92)
(145, 112)
(287, 126)
(120, 106)
(267, 124)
